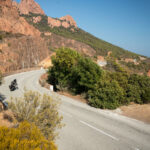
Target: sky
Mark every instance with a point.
(125, 23)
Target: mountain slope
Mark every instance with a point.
(28, 19)
(133, 62)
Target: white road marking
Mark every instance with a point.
(65, 113)
(136, 149)
(114, 138)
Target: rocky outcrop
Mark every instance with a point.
(101, 61)
(15, 4)
(66, 22)
(54, 22)
(130, 60)
(37, 19)
(70, 20)
(10, 21)
(27, 6)
(7, 3)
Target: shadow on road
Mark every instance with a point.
(2, 97)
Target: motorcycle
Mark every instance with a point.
(13, 86)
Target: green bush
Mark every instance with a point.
(106, 95)
(71, 70)
(58, 75)
(84, 75)
(103, 89)
(139, 89)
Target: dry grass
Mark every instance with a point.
(136, 111)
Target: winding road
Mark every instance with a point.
(86, 128)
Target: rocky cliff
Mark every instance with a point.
(69, 19)
(20, 51)
(27, 6)
(20, 43)
(10, 20)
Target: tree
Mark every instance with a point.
(62, 63)
(74, 72)
(25, 137)
(38, 109)
(84, 75)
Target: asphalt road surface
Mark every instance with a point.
(86, 128)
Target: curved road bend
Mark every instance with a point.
(86, 128)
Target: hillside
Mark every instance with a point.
(28, 20)
(131, 61)
(20, 43)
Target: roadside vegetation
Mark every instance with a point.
(41, 110)
(25, 137)
(35, 123)
(103, 89)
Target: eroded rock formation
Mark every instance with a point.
(10, 21)
(66, 22)
(27, 6)
(70, 20)
(21, 52)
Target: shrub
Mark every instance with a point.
(26, 137)
(139, 89)
(41, 110)
(103, 89)
(62, 63)
(84, 75)
(71, 70)
(106, 95)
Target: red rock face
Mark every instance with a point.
(54, 22)
(15, 4)
(27, 6)
(66, 22)
(21, 52)
(37, 19)
(10, 21)
(7, 3)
